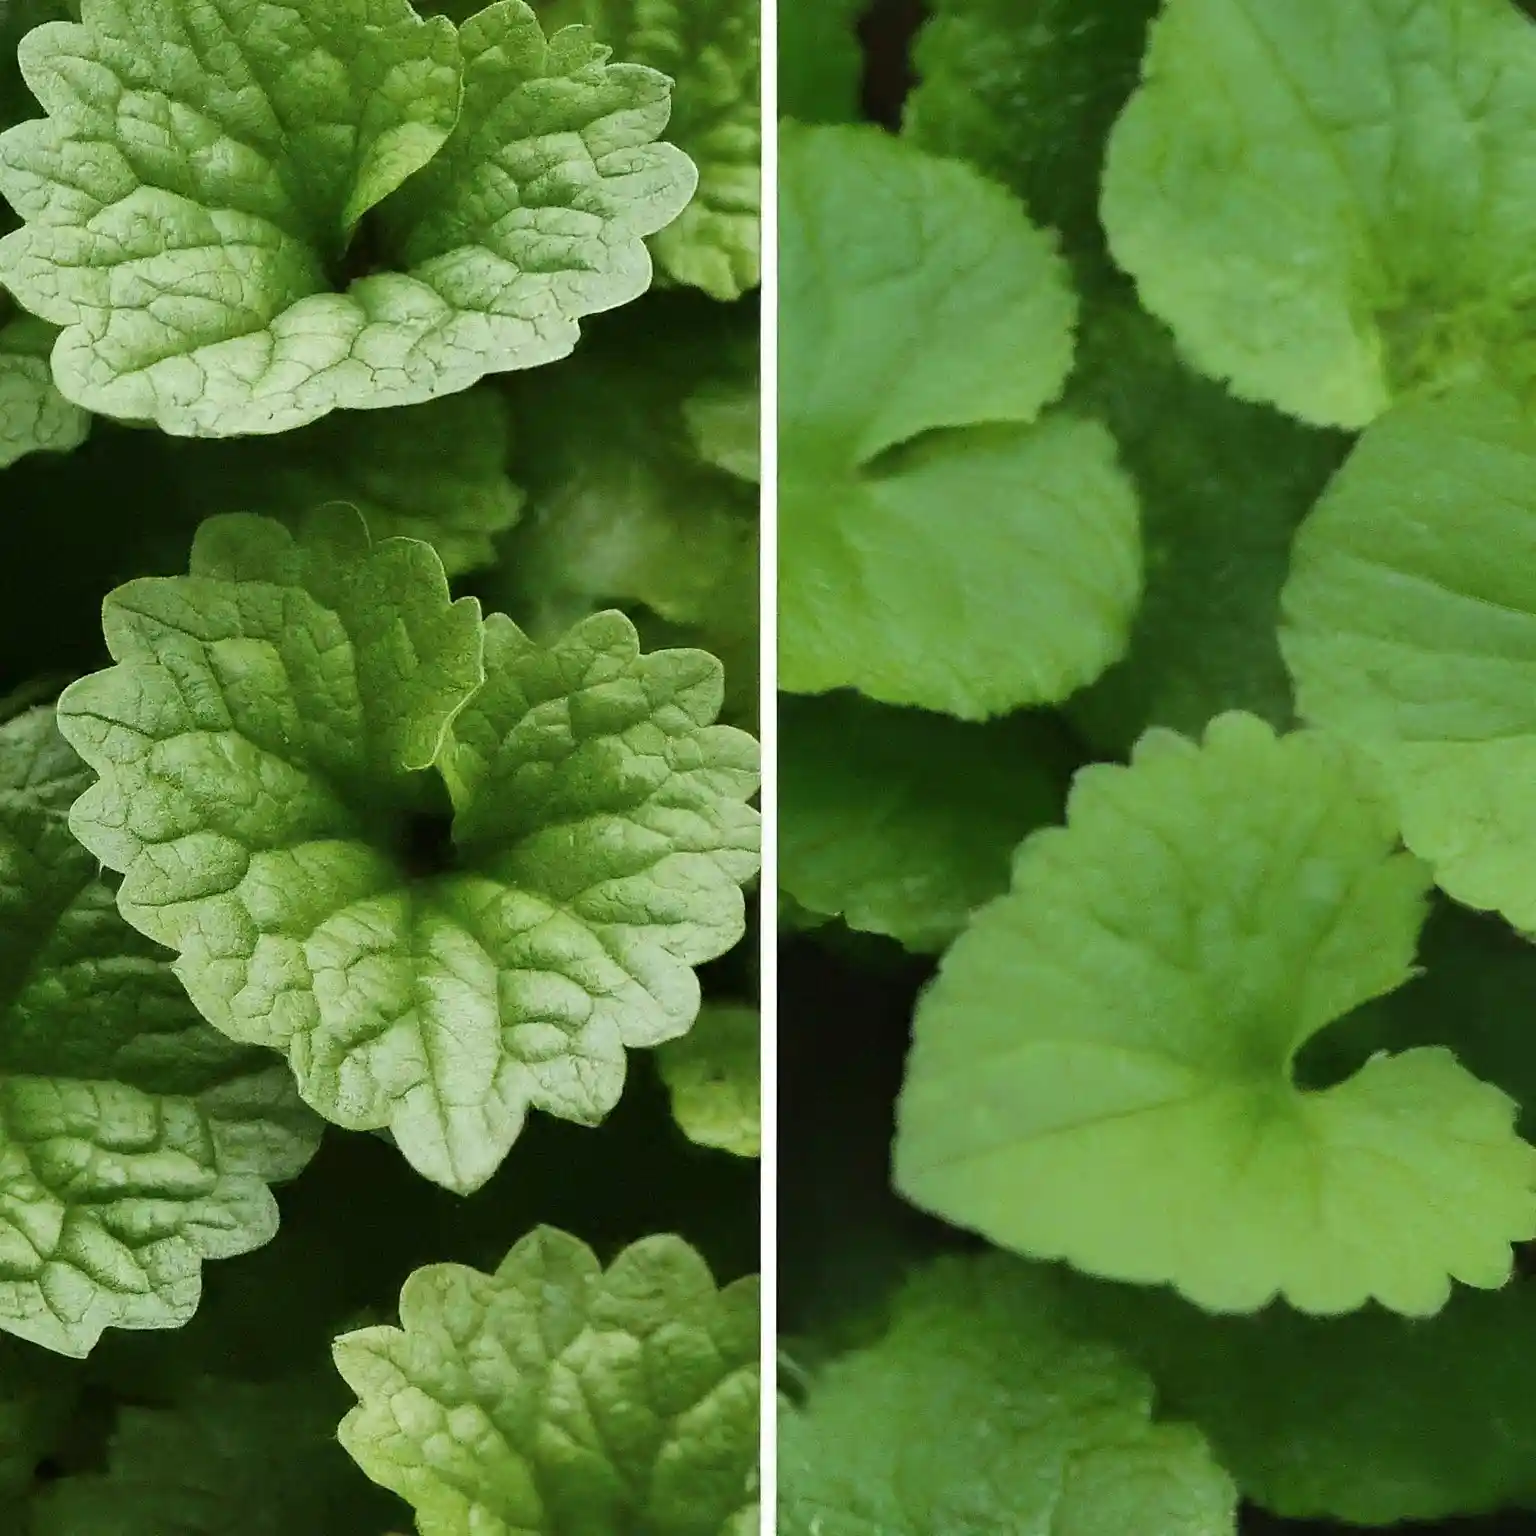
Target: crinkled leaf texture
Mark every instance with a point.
(925, 325)
(436, 471)
(247, 217)
(1410, 627)
(1103, 1070)
(135, 1142)
(979, 1411)
(34, 416)
(714, 1074)
(903, 822)
(557, 1398)
(1370, 1419)
(229, 1458)
(711, 51)
(1330, 201)
(270, 745)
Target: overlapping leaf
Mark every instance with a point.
(436, 952)
(1104, 1070)
(980, 1411)
(245, 218)
(925, 326)
(135, 1142)
(1330, 200)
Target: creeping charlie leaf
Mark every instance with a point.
(1103, 1071)
(1410, 628)
(445, 902)
(710, 48)
(557, 1398)
(978, 1411)
(34, 416)
(1330, 200)
(246, 217)
(925, 324)
(135, 1142)
(714, 1074)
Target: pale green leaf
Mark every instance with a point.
(270, 741)
(245, 218)
(714, 1076)
(1330, 200)
(1410, 628)
(557, 1398)
(980, 1412)
(925, 324)
(1104, 1070)
(901, 822)
(136, 1141)
(710, 48)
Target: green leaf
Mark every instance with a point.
(1223, 486)
(231, 1459)
(559, 1398)
(1410, 628)
(978, 1411)
(1027, 90)
(355, 208)
(903, 823)
(1329, 200)
(435, 969)
(34, 416)
(714, 1076)
(1370, 1419)
(820, 63)
(711, 49)
(1103, 1071)
(136, 1142)
(724, 422)
(925, 324)
(436, 472)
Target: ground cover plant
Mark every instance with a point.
(378, 702)
(1158, 614)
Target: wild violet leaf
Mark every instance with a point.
(1329, 201)
(1103, 1071)
(1410, 629)
(925, 326)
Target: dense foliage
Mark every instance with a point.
(1158, 613)
(378, 1015)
